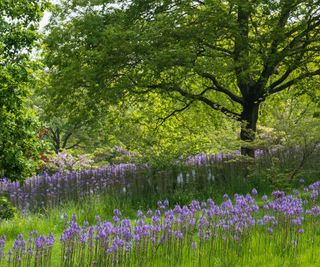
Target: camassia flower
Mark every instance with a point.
(106, 243)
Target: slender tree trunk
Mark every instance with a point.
(56, 140)
(249, 118)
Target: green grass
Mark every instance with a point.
(53, 220)
(257, 249)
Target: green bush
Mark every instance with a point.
(7, 211)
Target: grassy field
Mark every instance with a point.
(277, 241)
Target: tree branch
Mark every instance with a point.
(56, 139)
(297, 40)
(199, 97)
(271, 90)
(66, 138)
(281, 79)
(218, 48)
(271, 63)
(221, 89)
(74, 145)
(242, 49)
(293, 66)
(220, 108)
(163, 120)
(275, 56)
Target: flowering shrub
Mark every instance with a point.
(63, 162)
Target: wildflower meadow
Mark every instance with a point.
(159, 133)
(239, 230)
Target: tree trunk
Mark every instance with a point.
(249, 118)
(56, 140)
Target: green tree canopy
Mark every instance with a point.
(18, 125)
(229, 55)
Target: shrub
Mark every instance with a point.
(64, 162)
(7, 211)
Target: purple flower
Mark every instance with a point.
(117, 213)
(314, 194)
(296, 192)
(140, 214)
(296, 221)
(161, 205)
(315, 211)
(278, 194)
(254, 192)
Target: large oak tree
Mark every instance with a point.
(230, 55)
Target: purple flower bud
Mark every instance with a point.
(254, 192)
(140, 214)
(117, 213)
(314, 194)
(316, 211)
(296, 192)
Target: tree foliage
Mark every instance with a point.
(143, 128)
(229, 55)
(18, 128)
